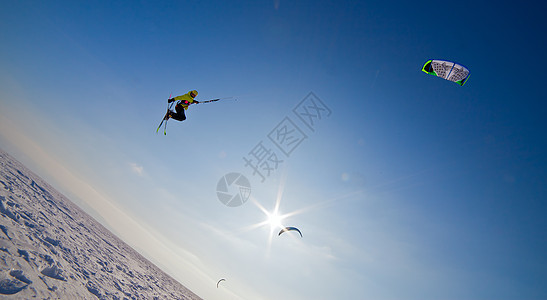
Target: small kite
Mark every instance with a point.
(220, 281)
(448, 70)
(289, 229)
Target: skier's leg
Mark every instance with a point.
(179, 115)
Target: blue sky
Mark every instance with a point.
(412, 188)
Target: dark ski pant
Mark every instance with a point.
(179, 115)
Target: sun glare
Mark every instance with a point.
(274, 219)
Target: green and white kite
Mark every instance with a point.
(448, 70)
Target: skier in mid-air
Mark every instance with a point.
(184, 101)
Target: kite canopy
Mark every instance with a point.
(222, 279)
(448, 70)
(290, 229)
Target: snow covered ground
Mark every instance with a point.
(51, 249)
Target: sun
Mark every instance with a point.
(275, 220)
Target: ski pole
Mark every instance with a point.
(213, 100)
(207, 101)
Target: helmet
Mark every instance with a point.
(194, 92)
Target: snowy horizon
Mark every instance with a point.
(51, 248)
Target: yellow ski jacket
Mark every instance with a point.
(185, 100)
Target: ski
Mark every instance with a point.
(162, 122)
(165, 118)
(159, 126)
(165, 124)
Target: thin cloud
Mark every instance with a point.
(138, 169)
